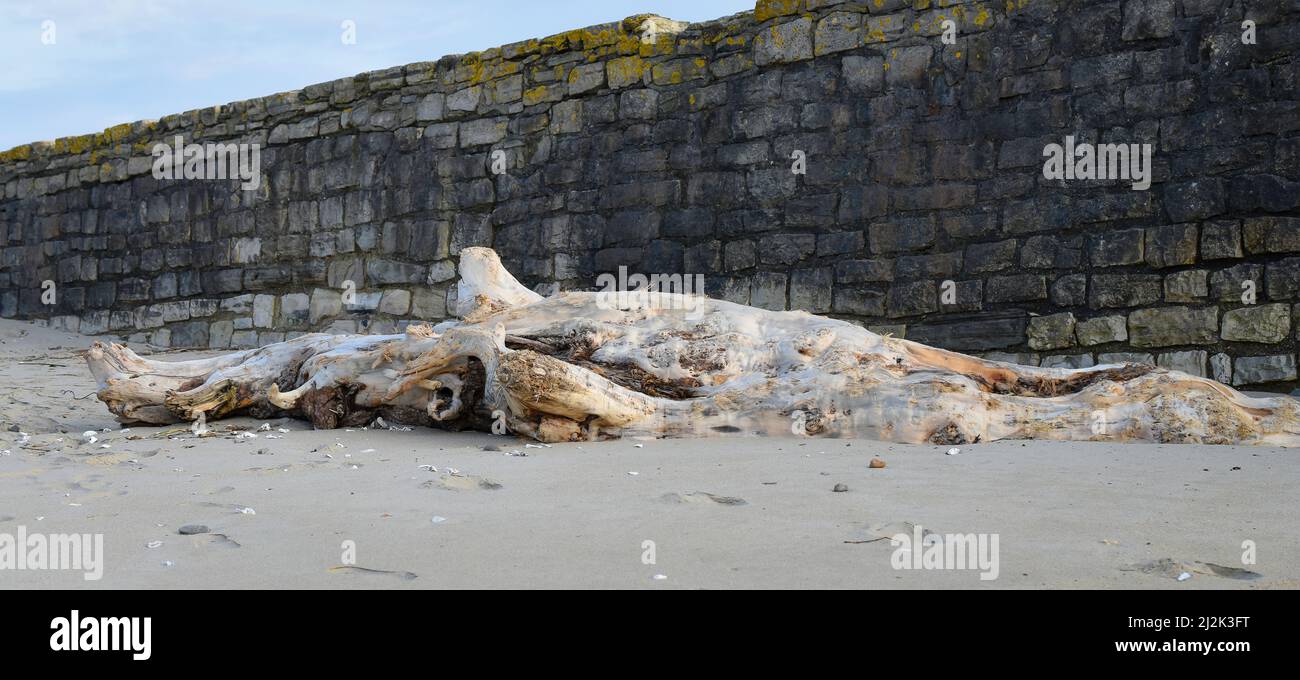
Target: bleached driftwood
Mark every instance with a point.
(588, 365)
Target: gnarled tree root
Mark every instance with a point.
(580, 366)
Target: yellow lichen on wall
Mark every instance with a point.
(581, 39)
(18, 153)
(875, 30)
(74, 145)
(535, 95)
(767, 9)
(715, 38)
(624, 71)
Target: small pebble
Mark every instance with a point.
(191, 529)
(876, 463)
(840, 488)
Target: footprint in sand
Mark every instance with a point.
(701, 497)
(362, 571)
(118, 457)
(462, 483)
(38, 424)
(885, 531)
(213, 541)
(90, 484)
(242, 509)
(888, 529)
(1171, 568)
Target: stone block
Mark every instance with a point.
(784, 42)
(1101, 330)
(1053, 331)
(1190, 362)
(1264, 369)
(1171, 326)
(1262, 323)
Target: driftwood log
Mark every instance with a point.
(593, 365)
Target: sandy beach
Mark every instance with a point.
(421, 508)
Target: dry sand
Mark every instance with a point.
(722, 513)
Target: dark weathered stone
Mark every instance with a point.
(864, 271)
(901, 235)
(1017, 288)
(1231, 284)
(786, 249)
(990, 257)
(1220, 240)
(912, 299)
(935, 266)
(1272, 234)
(1171, 246)
(1113, 248)
(810, 289)
(1267, 193)
(1256, 370)
(1195, 200)
(1186, 286)
(1102, 330)
(784, 42)
(840, 243)
(1053, 331)
(1123, 290)
(1283, 279)
(1262, 323)
(858, 301)
(1070, 361)
(993, 330)
(1191, 362)
(1070, 290)
(1170, 326)
(1051, 252)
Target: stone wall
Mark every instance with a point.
(671, 148)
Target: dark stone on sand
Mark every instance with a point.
(191, 529)
(840, 488)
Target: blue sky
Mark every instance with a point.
(117, 61)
